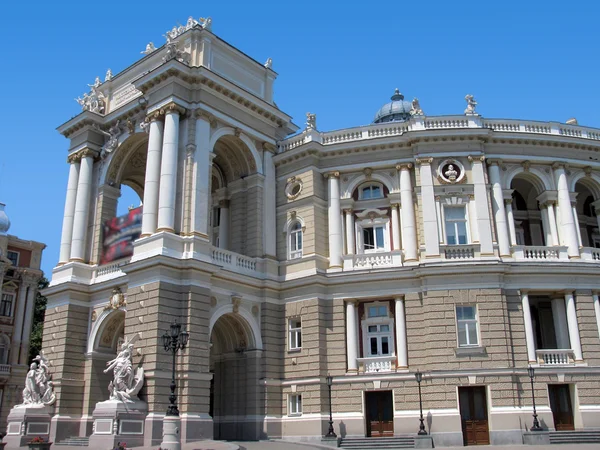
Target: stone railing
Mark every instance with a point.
(420, 123)
(539, 253)
(556, 357)
(590, 254)
(5, 369)
(468, 251)
(233, 261)
(376, 364)
(109, 271)
(367, 261)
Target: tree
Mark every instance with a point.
(37, 328)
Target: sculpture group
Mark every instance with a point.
(94, 101)
(126, 384)
(39, 389)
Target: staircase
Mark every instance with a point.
(75, 441)
(378, 443)
(575, 437)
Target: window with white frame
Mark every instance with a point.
(373, 234)
(295, 405)
(295, 333)
(378, 330)
(467, 325)
(6, 304)
(455, 222)
(295, 240)
(370, 191)
(13, 256)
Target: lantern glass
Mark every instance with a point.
(166, 340)
(531, 371)
(175, 330)
(329, 380)
(418, 376)
(184, 336)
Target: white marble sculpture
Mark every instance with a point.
(416, 108)
(471, 105)
(149, 48)
(311, 121)
(39, 389)
(269, 63)
(125, 385)
(206, 23)
(96, 84)
(174, 53)
(451, 173)
(95, 101)
(108, 76)
(113, 134)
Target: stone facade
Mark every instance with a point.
(461, 247)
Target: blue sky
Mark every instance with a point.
(341, 60)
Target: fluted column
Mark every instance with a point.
(409, 229)
(400, 317)
(152, 179)
(82, 205)
(482, 216)
(269, 202)
(350, 240)
(168, 170)
(498, 207)
(203, 156)
(69, 214)
(573, 326)
(531, 355)
(27, 323)
(351, 335)
(597, 310)
(395, 227)
(18, 322)
(224, 224)
(576, 221)
(334, 220)
(567, 221)
(511, 221)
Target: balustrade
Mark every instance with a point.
(556, 357)
(376, 364)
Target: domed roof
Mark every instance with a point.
(398, 110)
(4, 222)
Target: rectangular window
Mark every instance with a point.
(13, 256)
(374, 238)
(456, 225)
(6, 304)
(466, 322)
(379, 340)
(377, 311)
(295, 407)
(295, 334)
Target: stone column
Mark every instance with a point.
(597, 310)
(576, 219)
(430, 220)
(69, 215)
(395, 227)
(28, 322)
(546, 225)
(350, 245)
(438, 210)
(498, 207)
(559, 317)
(573, 326)
(168, 169)
(531, 355)
(18, 322)
(567, 222)
(511, 221)
(152, 180)
(400, 316)
(269, 202)
(552, 223)
(335, 225)
(224, 224)
(473, 222)
(351, 335)
(201, 199)
(481, 205)
(409, 228)
(82, 206)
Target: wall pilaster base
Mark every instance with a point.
(196, 427)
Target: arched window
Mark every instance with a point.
(370, 191)
(295, 243)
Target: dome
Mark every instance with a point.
(4, 222)
(398, 110)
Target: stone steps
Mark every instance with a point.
(575, 437)
(75, 441)
(377, 443)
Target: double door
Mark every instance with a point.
(560, 404)
(473, 415)
(380, 413)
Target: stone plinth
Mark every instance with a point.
(26, 422)
(116, 421)
(171, 437)
(536, 438)
(423, 442)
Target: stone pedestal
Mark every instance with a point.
(171, 437)
(423, 442)
(536, 438)
(116, 421)
(26, 422)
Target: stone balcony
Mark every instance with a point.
(555, 357)
(369, 261)
(376, 364)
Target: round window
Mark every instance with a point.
(293, 188)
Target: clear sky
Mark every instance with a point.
(341, 60)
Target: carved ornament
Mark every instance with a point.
(116, 300)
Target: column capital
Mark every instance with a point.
(154, 116)
(424, 161)
(476, 159)
(404, 166)
(333, 174)
(173, 108)
(74, 158)
(348, 210)
(523, 292)
(395, 205)
(205, 115)
(269, 148)
(494, 162)
(399, 297)
(351, 301)
(559, 165)
(84, 153)
(224, 203)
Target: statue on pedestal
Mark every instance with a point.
(39, 389)
(125, 383)
(471, 105)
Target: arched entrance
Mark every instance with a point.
(236, 398)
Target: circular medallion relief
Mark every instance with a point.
(293, 188)
(451, 172)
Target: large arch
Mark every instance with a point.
(535, 176)
(229, 131)
(386, 180)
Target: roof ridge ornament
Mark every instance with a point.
(94, 101)
(176, 31)
(397, 95)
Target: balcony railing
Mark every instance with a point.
(539, 253)
(558, 357)
(376, 364)
(468, 251)
(4, 370)
(233, 261)
(590, 254)
(367, 261)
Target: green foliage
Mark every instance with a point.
(37, 328)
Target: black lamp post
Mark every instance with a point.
(330, 433)
(173, 341)
(422, 431)
(536, 423)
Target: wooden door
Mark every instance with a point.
(473, 415)
(560, 404)
(380, 413)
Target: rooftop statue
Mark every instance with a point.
(108, 76)
(269, 63)
(311, 121)
(149, 48)
(96, 84)
(416, 108)
(471, 105)
(95, 101)
(125, 383)
(39, 389)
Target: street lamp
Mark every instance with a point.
(536, 423)
(419, 378)
(330, 433)
(173, 341)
